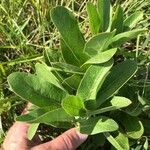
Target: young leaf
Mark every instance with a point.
(113, 141)
(132, 20)
(98, 43)
(101, 57)
(93, 17)
(117, 21)
(133, 126)
(32, 130)
(121, 38)
(35, 90)
(113, 83)
(92, 80)
(42, 115)
(73, 105)
(117, 102)
(69, 30)
(97, 125)
(103, 7)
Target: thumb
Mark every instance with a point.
(69, 140)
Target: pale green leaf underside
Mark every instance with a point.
(97, 125)
(113, 141)
(122, 140)
(32, 130)
(102, 57)
(43, 71)
(73, 105)
(117, 102)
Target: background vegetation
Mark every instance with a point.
(26, 31)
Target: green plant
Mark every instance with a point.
(80, 86)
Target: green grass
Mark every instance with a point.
(26, 31)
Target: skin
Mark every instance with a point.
(16, 139)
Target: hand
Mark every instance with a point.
(16, 139)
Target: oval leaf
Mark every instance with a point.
(93, 18)
(45, 116)
(121, 38)
(68, 28)
(113, 141)
(117, 102)
(113, 82)
(133, 126)
(32, 130)
(132, 20)
(117, 21)
(102, 57)
(73, 105)
(103, 7)
(35, 90)
(97, 125)
(92, 80)
(98, 43)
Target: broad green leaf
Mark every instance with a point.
(121, 38)
(101, 57)
(42, 115)
(120, 102)
(122, 140)
(69, 30)
(35, 90)
(103, 7)
(117, 102)
(68, 55)
(73, 81)
(98, 43)
(73, 105)
(43, 71)
(92, 80)
(97, 125)
(132, 20)
(93, 18)
(133, 126)
(117, 21)
(32, 130)
(67, 68)
(118, 76)
(113, 141)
